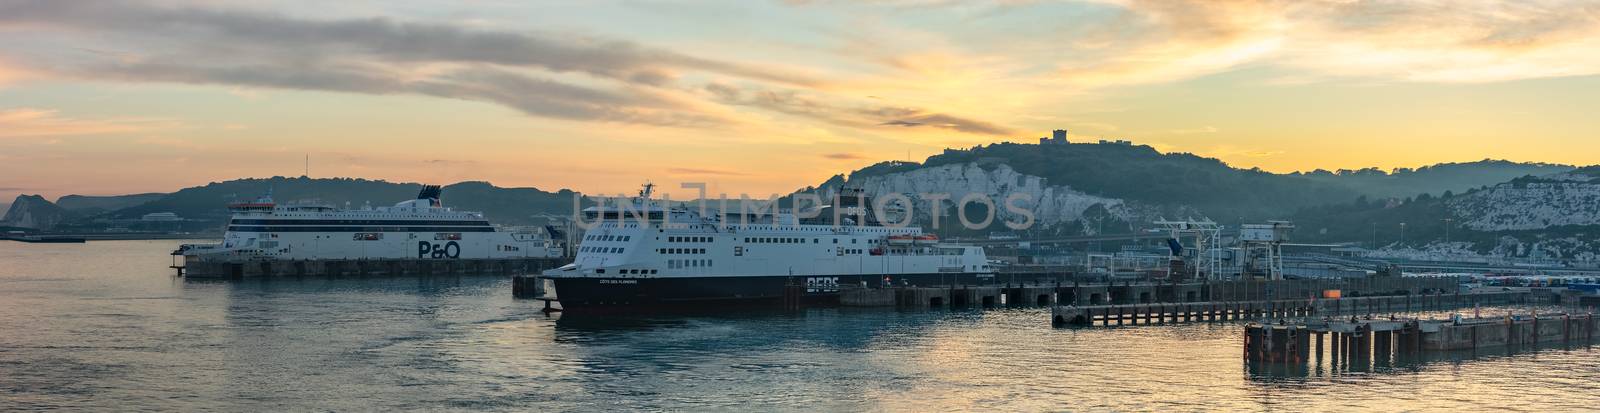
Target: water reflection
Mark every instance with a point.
(108, 328)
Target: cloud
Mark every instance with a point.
(450, 162)
(881, 71)
(702, 171)
(1096, 44)
(36, 123)
(165, 141)
(842, 156)
(1193, 131)
(530, 72)
(911, 117)
(379, 38)
(547, 74)
(10, 73)
(1159, 41)
(799, 104)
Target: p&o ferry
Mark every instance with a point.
(421, 228)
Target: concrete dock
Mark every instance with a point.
(1131, 293)
(1362, 340)
(1161, 313)
(374, 267)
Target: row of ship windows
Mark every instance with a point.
(796, 241)
(783, 240)
(679, 264)
(812, 228)
(671, 265)
(689, 239)
(602, 250)
(598, 237)
(680, 250)
(378, 236)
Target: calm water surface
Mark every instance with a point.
(105, 326)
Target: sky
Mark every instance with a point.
(112, 97)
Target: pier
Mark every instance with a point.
(372, 267)
(1163, 313)
(1363, 340)
(1135, 293)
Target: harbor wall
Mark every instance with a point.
(372, 267)
(1247, 310)
(1509, 331)
(1365, 341)
(1126, 293)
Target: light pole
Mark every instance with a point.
(1447, 222)
(1402, 234)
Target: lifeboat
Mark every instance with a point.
(927, 239)
(901, 239)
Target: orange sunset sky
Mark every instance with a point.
(108, 97)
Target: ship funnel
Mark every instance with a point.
(431, 193)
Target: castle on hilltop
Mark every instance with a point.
(1057, 137)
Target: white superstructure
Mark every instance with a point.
(676, 253)
(420, 228)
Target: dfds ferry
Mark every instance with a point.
(421, 228)
(677, 257)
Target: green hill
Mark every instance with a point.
(90, 204)
(1558, 210)
(1433, 179)
(1144, 175)
(510, 206)
(1338, 206)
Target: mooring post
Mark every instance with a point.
(1333, 341)
(1291, 351)
(1318, 337)
(1350, 347)
(1249, 341)
(1566, 328)
(1382, 348)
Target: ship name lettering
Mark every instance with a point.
(446, 250)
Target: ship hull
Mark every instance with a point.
(599, 294)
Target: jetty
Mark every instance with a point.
(1083, 294)
(1363, 339)
(1165, 313)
